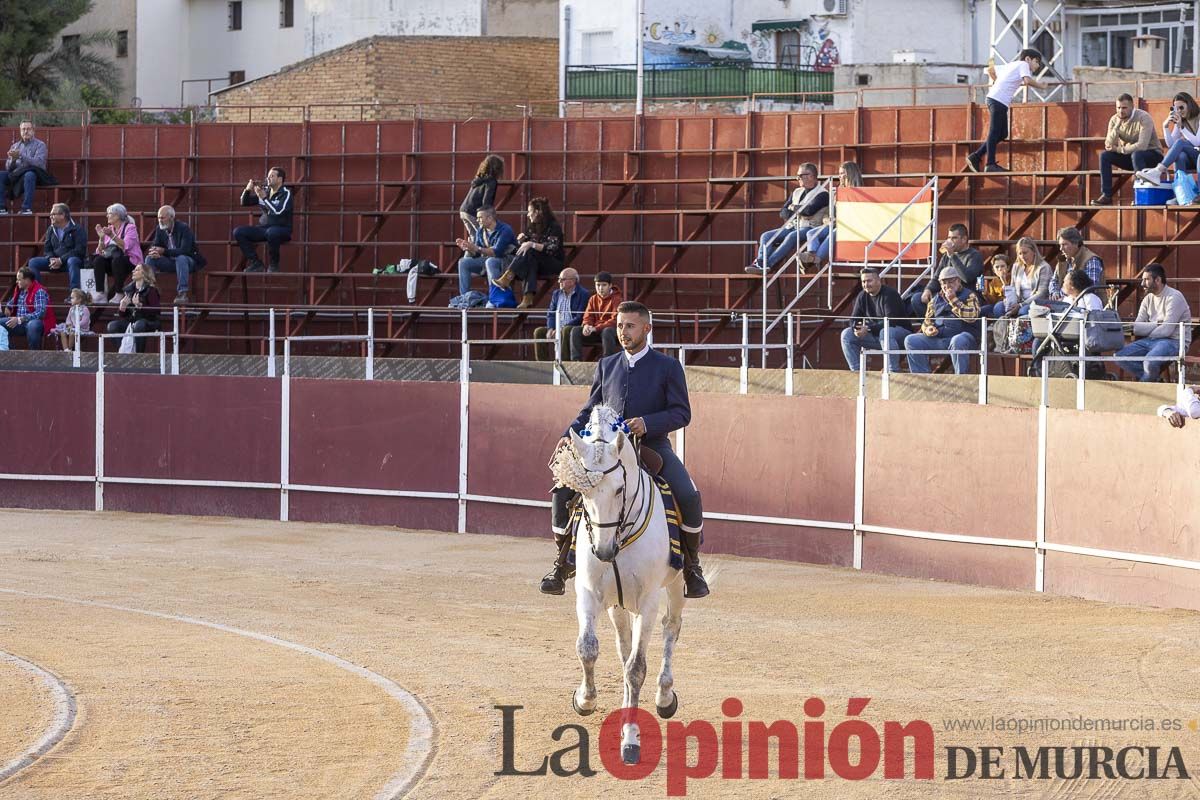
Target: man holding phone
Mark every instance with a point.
(275, 223)
(873, 304)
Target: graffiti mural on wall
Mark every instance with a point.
(818, 44)
(827, 56)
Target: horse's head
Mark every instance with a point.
(602, 467)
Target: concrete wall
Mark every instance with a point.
(113, 15)
(864, 81)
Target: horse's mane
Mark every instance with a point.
(582, 471)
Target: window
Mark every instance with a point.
(287, 13)
(235, 15)
(598, 47)
(122, 44)
(71, 43)
(237, 76)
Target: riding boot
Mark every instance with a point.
(693, 576)
(555, 581)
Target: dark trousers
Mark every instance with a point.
(112, 272)
(248, 236)
(604, 336)
(997, 131)
(687, 496)
(1127, 161)
(140, 326)
(532, 265)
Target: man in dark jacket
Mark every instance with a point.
(875, 302)
(567, 305)
(65, 247)
(275, 225)
(173, 249)
(649, 390)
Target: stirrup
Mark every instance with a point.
(555, 581)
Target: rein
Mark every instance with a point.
(644, 499)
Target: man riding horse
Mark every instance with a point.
(650, 391)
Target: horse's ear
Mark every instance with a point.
(578, 443)
(621, 438)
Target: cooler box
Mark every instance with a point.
(1147, 194)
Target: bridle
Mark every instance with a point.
(630, 530)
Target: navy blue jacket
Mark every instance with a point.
(185, 243)
(655, 390)
(72, 244)
(276, 208)
(579, 301)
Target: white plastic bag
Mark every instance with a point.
(128, 341)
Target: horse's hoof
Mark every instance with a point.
(583, 712)
(631, 753)
(666, 712)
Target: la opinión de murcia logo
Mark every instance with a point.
(853, 750)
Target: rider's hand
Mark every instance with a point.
(637, 426)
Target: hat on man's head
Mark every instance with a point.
(604, 277)
(949, 272)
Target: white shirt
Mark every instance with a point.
(636, 357)
(1186, 403)
(1008, 80)
(1089, 302)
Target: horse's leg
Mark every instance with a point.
(620, 621)
(635, 676)
(665, 700)
(587, 606)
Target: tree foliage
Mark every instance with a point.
(35, 68)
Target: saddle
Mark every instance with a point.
(651, 461)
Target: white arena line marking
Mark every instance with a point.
(64, 716)
(421, 733)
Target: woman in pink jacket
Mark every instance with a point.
(118, 252)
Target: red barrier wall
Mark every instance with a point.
(941, 468)
(48, 427)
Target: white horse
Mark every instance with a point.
(622, 550)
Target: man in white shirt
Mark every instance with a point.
(1158, 324)
(1006, 79)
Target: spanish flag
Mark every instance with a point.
(864, 213)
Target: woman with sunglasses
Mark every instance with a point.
(1181, 130)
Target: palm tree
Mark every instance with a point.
(32, 73)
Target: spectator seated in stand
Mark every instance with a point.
(1181, 130)
(819, 240)
(1131, 143)
(1010, 293)
(803, 211)
(173, 249)
(276, 202)
(949, 325)
(28, 311)
(78, 322)
(65, 246)
(24, 170)
(1158, 326)
(599, 319)
(482, 193)
(1075, 255)
(955, 253)
(567, 305)
(873, 303)
(539, 251)
(490, 250)
(118, 251)
(140, 307)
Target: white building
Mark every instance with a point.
(822, 33)
(180, 50)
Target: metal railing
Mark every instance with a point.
(739, 79)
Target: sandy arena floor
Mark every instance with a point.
(123, 609)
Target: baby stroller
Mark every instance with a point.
(1058, 326)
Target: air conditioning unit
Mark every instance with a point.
(834, 8)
